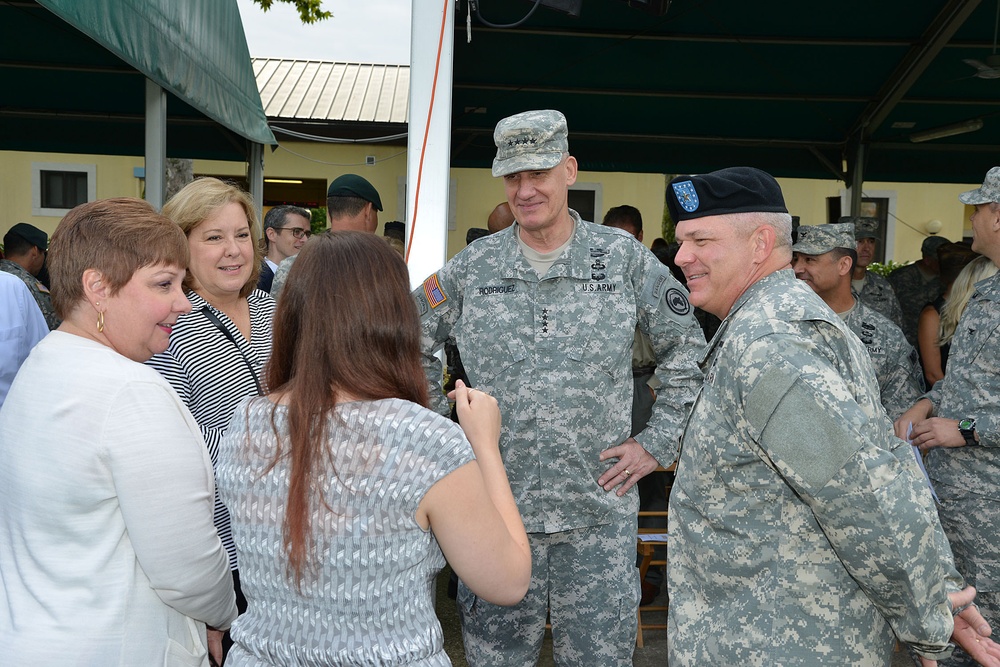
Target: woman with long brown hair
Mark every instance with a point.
(344, 490)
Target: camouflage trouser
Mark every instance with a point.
(587, 580)
(971, 523)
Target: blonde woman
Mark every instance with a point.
(939, 320)
(217, 352)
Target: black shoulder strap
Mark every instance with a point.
(207, 312)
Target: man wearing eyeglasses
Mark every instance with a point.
(286, 230)
(352, 204)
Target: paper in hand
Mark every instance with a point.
(920, 461)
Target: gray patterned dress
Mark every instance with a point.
(369, 599)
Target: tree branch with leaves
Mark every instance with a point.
(310, 11)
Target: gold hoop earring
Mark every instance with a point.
(100, 321)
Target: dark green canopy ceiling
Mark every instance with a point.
(789, 86)
(72, 77)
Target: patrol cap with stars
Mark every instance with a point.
(864, 228)
(352, 185)
(31, 234)
(731, 190)
(821, 239)
(530, 140)
(988, 192)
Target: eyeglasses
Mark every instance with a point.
(297, 232)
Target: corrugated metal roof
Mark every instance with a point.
(315, 90)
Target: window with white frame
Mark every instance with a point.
(57, 187)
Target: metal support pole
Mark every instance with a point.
(255, 177)
(858, 181)
(156, 144)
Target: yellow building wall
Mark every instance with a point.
(476, 192)
(114, 179)
(916, 205)
(328, 161)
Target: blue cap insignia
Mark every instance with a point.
(686, 196)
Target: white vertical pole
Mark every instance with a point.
(156, 143)
(429, 144)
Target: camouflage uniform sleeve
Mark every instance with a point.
(44, 301)
(901, 388)
(438, 305)
(862, 485)
(895, 310)
(988, 431)
(280, 276)
(666, 317)
(934, 395)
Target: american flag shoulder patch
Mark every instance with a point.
(432, 290)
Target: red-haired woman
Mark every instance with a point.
(344, 489)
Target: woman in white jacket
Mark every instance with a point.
(108, 555)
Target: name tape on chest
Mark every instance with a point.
(494, 290)
(595, 288)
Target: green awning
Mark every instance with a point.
(789, 86)
(72, 76)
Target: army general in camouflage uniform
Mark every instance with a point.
(824, 259)
(545, 314)
(874, 290)
(802, 531)
(25, 247)
(962, 437)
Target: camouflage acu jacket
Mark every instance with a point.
(801, 529)
(913, 292)
(877, 294)
(556, 352)
(971, 388)
(897, 369)
(39, 291)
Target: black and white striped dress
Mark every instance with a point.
(210, 375)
